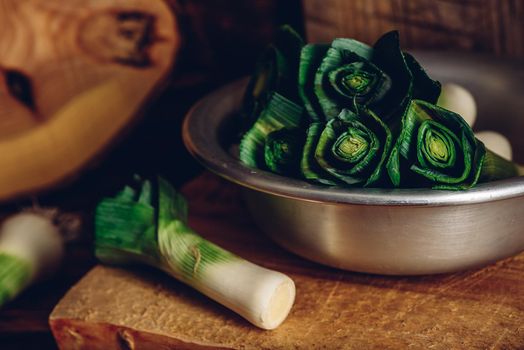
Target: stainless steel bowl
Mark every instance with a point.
(384, 231)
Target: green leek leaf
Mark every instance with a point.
(496, 168)
(353, 148)
(125, 232)
(15, 275)
(283, 151)
(310, 58)
(352, 75)
(310, 169)
(280, 113)
(436, 148)
(424, 88)
(389, 57)
(276, 71)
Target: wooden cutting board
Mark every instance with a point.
(141, 308)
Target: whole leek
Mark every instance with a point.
(147, 223)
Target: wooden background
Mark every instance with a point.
(494, 26)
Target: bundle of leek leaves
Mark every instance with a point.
(348, 114)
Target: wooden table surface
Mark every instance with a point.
(334, 309)
(476, 309)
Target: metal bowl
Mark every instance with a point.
(383, 231)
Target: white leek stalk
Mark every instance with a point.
(496, 143)
(149, 225)
(458, 99)
(31, 248)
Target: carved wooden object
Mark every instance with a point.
(73, 74)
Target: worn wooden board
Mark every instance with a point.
(112, 308)
(495, 26)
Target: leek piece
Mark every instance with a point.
(280, 113)
(151, 228)
(352, 75)
(346, 75)
(458, 99)
(276, 71)
(283, 151)
(353, 148)
(31, 248)
(308, 165)
(437, 148)
(15, 275)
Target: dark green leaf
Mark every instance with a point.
(310, 60)
(424, 88)
(436, 148)
(276, 71)
(283, 151)
(309, 166)
(353, 148)
(279, 113)
(390, 59)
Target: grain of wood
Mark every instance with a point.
(73, 75)
(493, 26)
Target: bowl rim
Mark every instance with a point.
(200, 136)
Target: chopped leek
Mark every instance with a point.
(280, 113)
(437, 148)
(370, 116)
(352, 148)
